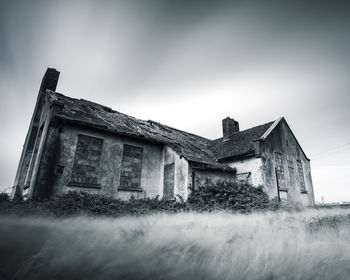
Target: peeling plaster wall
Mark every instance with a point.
(38, 167)
(262, 168)
(202, 176)
(180, 172)
(110, 166)
(251, 165)
(281, 140)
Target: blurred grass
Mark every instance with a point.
(312, 244)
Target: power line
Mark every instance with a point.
(329, 154)
(334, 150)
(331, 164)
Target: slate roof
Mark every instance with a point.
(190, 146)
(240, 143)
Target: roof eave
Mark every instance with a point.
(269, 130)
(247, 154)
(212, 167)
(107, 129)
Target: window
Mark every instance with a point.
(280, 171)
(87, 162)
(130, 177)
(280, 179)
(169, 170)
(278, 158)
(301, 176)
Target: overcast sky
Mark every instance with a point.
(188, 64)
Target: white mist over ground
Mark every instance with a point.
(178, 246)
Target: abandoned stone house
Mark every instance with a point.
(75, 144)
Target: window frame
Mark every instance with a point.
(128, 164)
(301, 175)
(74, 182)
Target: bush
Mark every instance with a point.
(228, 196)
(219, 196)
(73, 203)
(4, 197)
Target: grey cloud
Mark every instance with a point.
(288, 57)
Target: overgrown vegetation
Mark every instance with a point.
(208, 246)
(241, 198)
(311, 244)
(228, 196)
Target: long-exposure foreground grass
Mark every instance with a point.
(313, 244)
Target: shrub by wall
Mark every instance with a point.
(229, 196)
(212, 197)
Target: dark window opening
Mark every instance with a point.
(280, 178)
(87, 162)
(130, 177)
(301, 176)
(169, 181)
(59, 169)
(278, 158)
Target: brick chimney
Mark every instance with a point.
(50, 80)
(229, 127)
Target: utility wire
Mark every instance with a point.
(331, 164)
(334, 148)
(331, 152)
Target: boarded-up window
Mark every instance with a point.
(130, 177)
(87, 161)
(280, 171)
(278, 159)
(280, 179)
(169, 175)
(291, 174)
(301, 176)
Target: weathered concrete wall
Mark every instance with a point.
(180, 172)
(25, 160)
(250, 165)
(282, 141)
(263, 167)
(38, 166)
(200, 177)
(26, 166)
(44, 180)
(110, 166)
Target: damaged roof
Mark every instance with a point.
(190, 146)
(240, 143)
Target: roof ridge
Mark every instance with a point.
(253, 127)
(111, 110)
(189, 145)
(151, 121)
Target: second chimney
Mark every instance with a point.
(229, 127)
